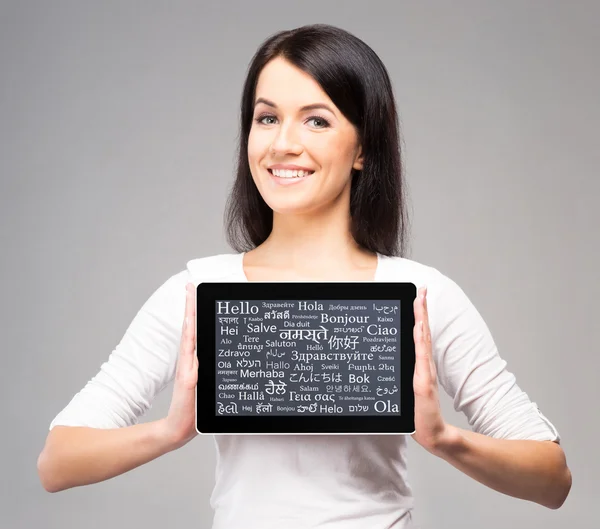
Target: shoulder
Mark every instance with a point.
(402, 269)
(445, 298)
(219, 267)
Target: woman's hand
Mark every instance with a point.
(431, 431)
(180, 423)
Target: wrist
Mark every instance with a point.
(163, 436)
(450, 442)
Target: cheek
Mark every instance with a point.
(254, 149)
(338, 154)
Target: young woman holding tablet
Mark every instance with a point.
(319, 196)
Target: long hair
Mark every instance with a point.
(357, 82)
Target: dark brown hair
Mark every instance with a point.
(357, 82)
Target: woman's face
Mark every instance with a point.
(296, 127)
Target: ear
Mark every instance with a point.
(359, 160)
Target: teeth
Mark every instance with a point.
(286, 173)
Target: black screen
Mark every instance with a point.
(321, 357)
(283, 357)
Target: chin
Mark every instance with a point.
(289, 209)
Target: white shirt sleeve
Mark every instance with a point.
(474, 375)
(140, 366)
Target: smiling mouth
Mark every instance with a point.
(287, 173)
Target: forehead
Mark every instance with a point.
(286, 85)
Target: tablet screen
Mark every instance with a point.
(305, 357)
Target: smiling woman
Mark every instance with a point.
(324, 147)
(318, 100)
(318, 195)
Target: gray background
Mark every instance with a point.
(117, 135)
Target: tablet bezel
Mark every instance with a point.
(210, 424)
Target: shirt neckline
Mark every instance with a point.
(242, 274)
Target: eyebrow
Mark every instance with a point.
(314, 106)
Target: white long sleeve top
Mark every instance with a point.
(312, 481)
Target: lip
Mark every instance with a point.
(289, 167)
(289, 181)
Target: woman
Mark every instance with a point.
(319, 196)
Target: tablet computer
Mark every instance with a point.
(305, 358)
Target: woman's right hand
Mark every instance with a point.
(180, 423)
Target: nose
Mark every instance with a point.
(286, 141)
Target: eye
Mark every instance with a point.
(324, 123)
(261, 119)
(319, 121)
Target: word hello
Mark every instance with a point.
(241, 307)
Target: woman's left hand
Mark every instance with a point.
(431, 431)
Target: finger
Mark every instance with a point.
(427, 330)
(191, 323)
(422, 364)
(187, 338)
(192, 320)
(184, 334)
(185, 312)
(427, 333)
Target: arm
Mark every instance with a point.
(95, 437)
(531, 470)
(76, 455)
(509, 450)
